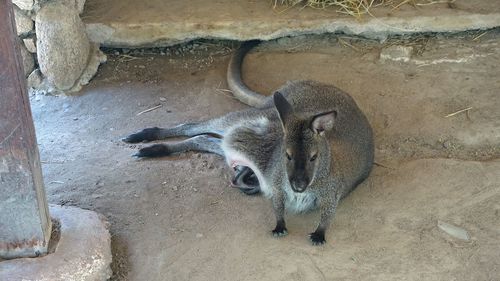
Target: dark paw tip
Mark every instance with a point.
(157, 150)
(280, 232)
(131, 139)
(317, 239)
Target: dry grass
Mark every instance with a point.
(357, 8)
(354, 8)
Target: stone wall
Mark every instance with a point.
(57, 54)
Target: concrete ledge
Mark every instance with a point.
(152, 23)
(83, 251)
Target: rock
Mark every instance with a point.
(24, 24)
(97, 57)
(83, 251)
(28, 60)
(396, 53)
(454, 231)
(62, 44)
(30, 44)
(77, 4)
(35, 79)
(24, 4)
(80, 5)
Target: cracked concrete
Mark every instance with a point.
(129, 23)
(82, 253)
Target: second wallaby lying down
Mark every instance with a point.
(306, 146)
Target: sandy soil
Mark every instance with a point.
(177, 218)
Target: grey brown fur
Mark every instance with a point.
(308, 145)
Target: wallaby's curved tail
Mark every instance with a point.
(234, 81)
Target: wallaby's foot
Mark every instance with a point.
(245, 180)
(250, 190)
(157, 150)
(149, 134)
(318, 237)
(280, 229)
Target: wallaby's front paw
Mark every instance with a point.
(280, 229)
(280, 232)
(317, 238)
(149, 134)
(157, 150)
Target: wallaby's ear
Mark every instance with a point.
(323, 122)
(284, 108)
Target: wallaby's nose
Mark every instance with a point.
(298, 185)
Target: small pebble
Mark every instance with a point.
(454, 231)
(163, 99)
(396, 53)
(199, 235)
(447, 144)
(174, 188)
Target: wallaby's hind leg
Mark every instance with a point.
(189, 130)
(202, 143)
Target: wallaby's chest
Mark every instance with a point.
(300, 202)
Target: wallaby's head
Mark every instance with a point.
(304, 139)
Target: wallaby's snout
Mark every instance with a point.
(300, 169)
(299, 182)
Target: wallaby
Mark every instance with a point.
(307, 145)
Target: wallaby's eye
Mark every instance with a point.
(313, 157)
(288, 156)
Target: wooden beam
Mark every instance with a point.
(25, 225)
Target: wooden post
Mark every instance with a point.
(25, 225)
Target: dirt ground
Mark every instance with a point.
(177, 218)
